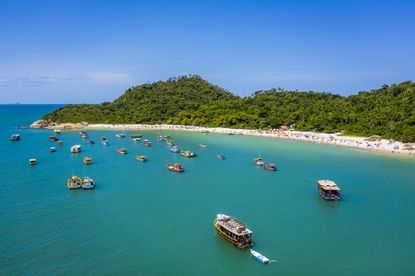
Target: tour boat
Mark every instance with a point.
(147, 143)
(220, 156)
(60, 142)
(270, 167)
(258, 161)
(120, 135)
(76, 148)
(105, 142)
(188, 153)
(87, 160)
(83, 134)
(88, 183)
(259, 256)
(52, 149)
(32, 161)
(170, 142)
(74, 182)
(141, 158)
(53, 138)
(57, 131)
(202, 145)
(328, 190)
(15, 137)
(175, 149)
(175, 167)
(233, 231)
(136, 136)
(90, 142)
(122, 151)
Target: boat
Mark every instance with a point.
(105, 142)
(233, 231)
(220, 156)
(88, 183)
(83, 134)
(163, 137)
(32, 161)
(141, 158)
(102, 138)
(120, 135)
(91, 142)
(87, 160)
(60, 142)
(202, 145)
(175, 149)
(270, 167)
(328, 189)
(76, 148)
(188, 153)
(53, 138)
(175, 167)
(57, 131)
(15, 137)
(170, 142)
(259, 257)
(258, 161)
(136, 139)
(74, 182)
(122, 151)
(147, 143)
(136, 135)
(52, 149)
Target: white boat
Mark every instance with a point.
(88, 183)
(259, 257)
(136, 139)
(76, 148)
(120, 135)
(105, 142)
(57, 131)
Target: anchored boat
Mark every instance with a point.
(328, 190)
(88, 183)
(136, 135)
(105, 142)
(202, 145)
(220, 156)
(57, 131)
(175, 149)
(120, 135)
(32, 161)
(15, 137)
(52, 149)
(122, 151)
(75, 148)
(175, 167)
(141, 158)
(188, 153)
(74, 182)
(90, 142)
(83, 134)
(233, 231)
(259, 257)
(87, 160)
(270, 167)
(53, 138)
(147, 143)
(258, 161)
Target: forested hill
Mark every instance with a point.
(190, 100)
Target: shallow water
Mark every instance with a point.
(144, 219)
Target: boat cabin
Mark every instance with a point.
(328, 190)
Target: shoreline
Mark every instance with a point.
(379, 146)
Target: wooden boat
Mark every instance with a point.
(120, 135)
(220, 156)
(52, 149)
(53, 138)
(175, 149)
(147, 143)
(258, 161)
(270, 167)
(32, 161)
(83, 134)
(91, 142)
(75, 148)
(136, 135)
(175, 167)
(15, 137)
(88, 183)
(233, 231)
(122, 151)
(328, 190)
(141, 158)
(188, 153)
(202, 145)
(170, 142)
(105, 142)
(259, 256)
(87, 160)
(74, 182)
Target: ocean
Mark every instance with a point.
(145, 220)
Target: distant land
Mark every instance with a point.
(191, 100)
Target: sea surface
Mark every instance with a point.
(145, 220)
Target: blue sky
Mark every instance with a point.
(91, 51)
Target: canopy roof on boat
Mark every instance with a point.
(328, 185)
(232, 225)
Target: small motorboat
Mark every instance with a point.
(122, 151)
(52, 149)
(136, 139)
(75, 148)
(141, 158)
(32, 161)
(188, 153)
(175, 149)
(91, 142)
(87, 160)
(88, 183)
(175, 167)
(170, 142)
(83, 134)
(202, 145)
(57, 131)
(220, 156)
(60, 142)
(258, 161)
(270, 167)
(136, 135)
(259, 257)
(74, 182)
(15, 137)
(53, 138)
(101, 138)
(120, 135)
(105, 142)
(147, 143)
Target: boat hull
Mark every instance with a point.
(332, 197)
(230, 239)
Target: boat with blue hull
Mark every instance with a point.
(328, 190)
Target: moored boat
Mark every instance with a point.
(220, 156)
(147, 143)
(202, 145)
(83, 134)
(88, 183)
(60, 142)
(136, 139)
(122, 151)
(259, 257)
(87, 160)
(233, 231)
(175, 149)
(270, 167)
(141, 158)
(102, 138)
(57, 131)
(136, 135)
(32, 161)
(105, 142)
(15, 137)
(258, 161)
(91, 142)
(53, 138)
(75, 148)
(74, 182)
(52, 149)
(170, 142)
(120, 135)
(188, 153)
(328, 190)
(175, 167)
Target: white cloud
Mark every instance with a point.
(109, 77)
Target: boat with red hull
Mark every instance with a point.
(175, 167)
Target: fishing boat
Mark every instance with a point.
(202, 145)
(259, 257)
(220, 156)
(91, 142)
(233, 231)
(32, 161)
(53, 138)
(270, 167)
(120, 135)
(328, 189)
(175, 149)
(15, 137)
(141, 158)
(60, 142)
(170, 142)
(175, 167)
(188, 153)
(57, 131)
(52, 149)
(122, 151)
(88, 183)
(83, 134)
(105, 142)
(136, 135)
(258, 161)
(147, 143)
(87, 160)
(74, 182)
(75, 148)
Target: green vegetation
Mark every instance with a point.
(190, 100)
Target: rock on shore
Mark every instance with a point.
(52, 125)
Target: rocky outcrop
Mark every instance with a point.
(40, 124)
(52, 125)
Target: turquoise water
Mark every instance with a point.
(144, 219)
